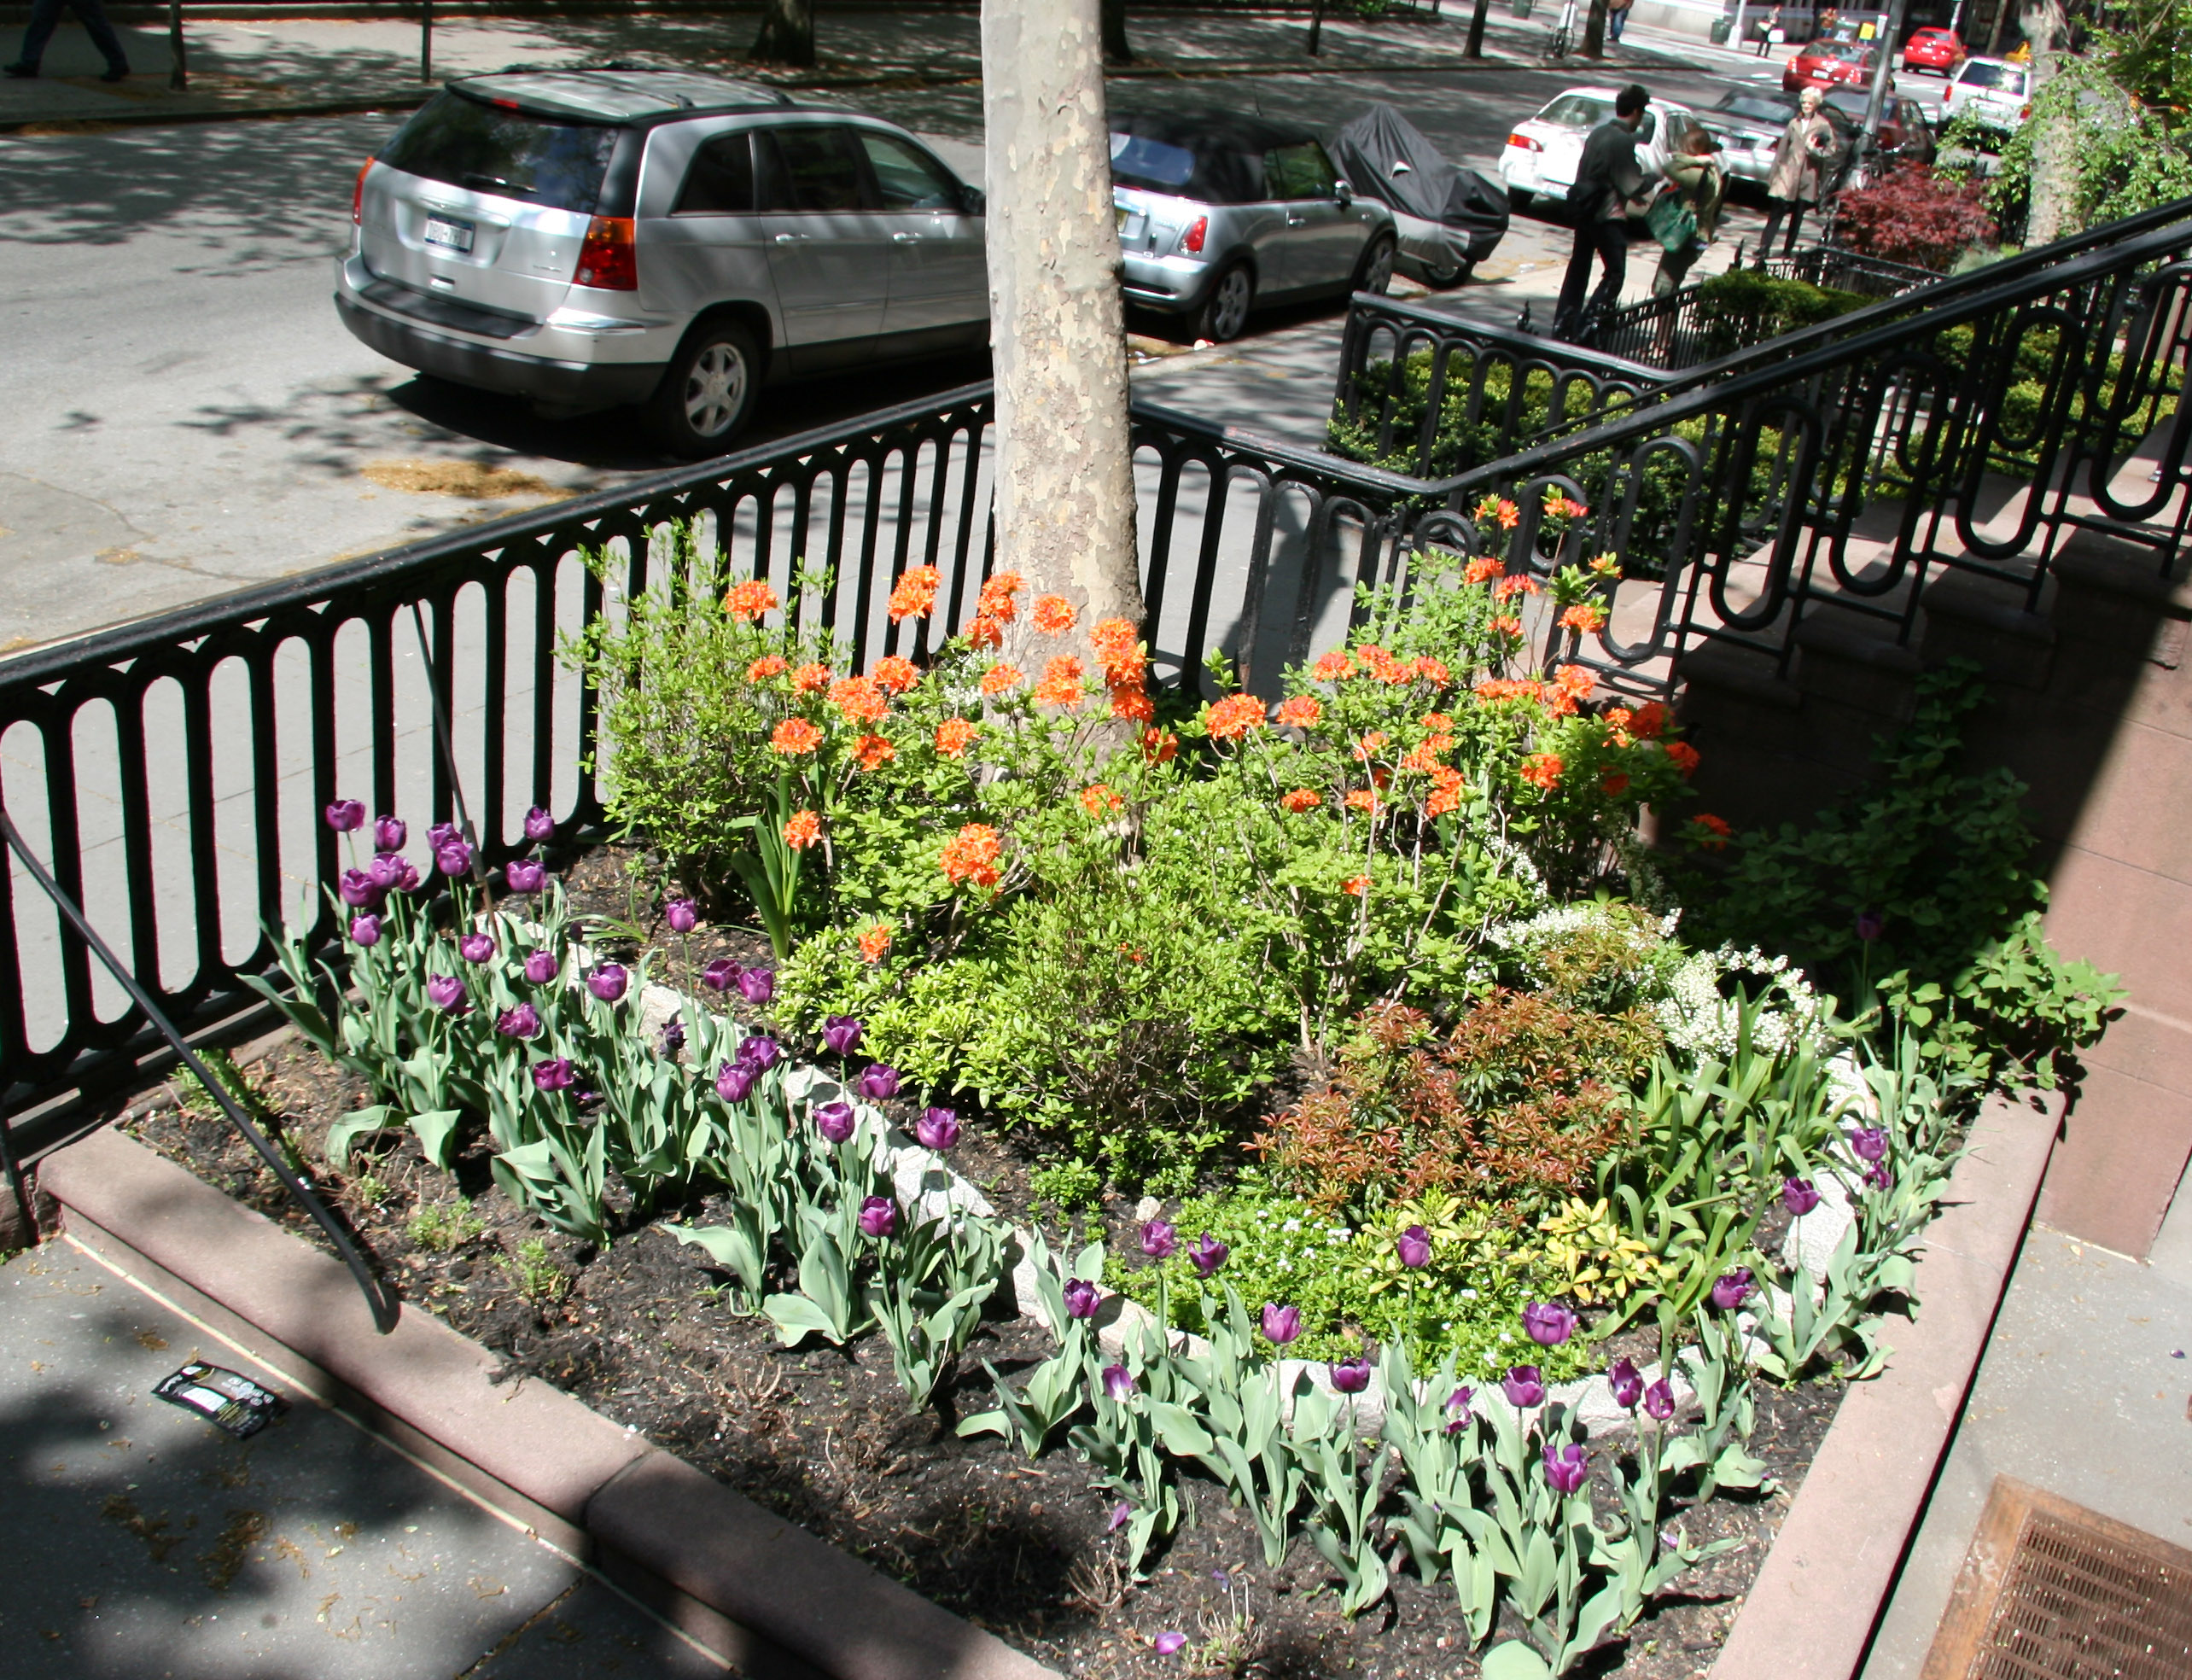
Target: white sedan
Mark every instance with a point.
(1544, 152)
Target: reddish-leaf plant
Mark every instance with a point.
(1911, 215)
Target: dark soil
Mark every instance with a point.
(640, 1333)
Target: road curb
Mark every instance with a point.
(1810, 1614)
(60, 125)
(765, 1595)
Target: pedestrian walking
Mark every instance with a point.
(1616, 16)
(1801, 157)
(1770, 30)
(1698, 183)
(1608, 181)
(45, 15)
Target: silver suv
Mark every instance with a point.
(594, 237)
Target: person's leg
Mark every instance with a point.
(1612, 240)
(1574, 282)
(93, 16)
(44, 14)
(1776, 209)
(1795, 221)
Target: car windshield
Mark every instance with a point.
(1137, 162)
(1753, 109)
(1847, 51)
(468, 144)
(1577, 110)
(2006, 77)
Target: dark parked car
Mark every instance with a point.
(1447, 220)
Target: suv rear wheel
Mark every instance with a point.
(708, 391)
(1225, 311)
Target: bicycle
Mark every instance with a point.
(1563, 38)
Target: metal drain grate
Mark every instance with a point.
(2052, 1591)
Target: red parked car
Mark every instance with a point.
(1941, 50)
(1829, 64)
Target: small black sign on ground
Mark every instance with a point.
(233, 1403)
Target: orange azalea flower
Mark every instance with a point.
(915, 594)
(955, 735)
(1117, 645)
(996, 598)
(1301, 800)
(1446, 793)
(1506, 626)
(1608, 564)
(1233, 717)
(972, 855)
(1682, 756)
(1558, 506)
(1483, 569)
(794, 736)
(1509, 515)
(801, 829)
(1433, 672)
(1061, 683)
(1055, 615)
(1576, 680)
(749, 600)
(1613, 785)
(1651, 718)
(875, 940)
(1557, 701)
(1302, 712)
(1383, 666)
(1159, 745)
(1713, 830)
(1543, 770)
(1332, 667)
(1506, 688)
(1508, 587)
(985, 632)
(1583, 617)
(1356, 886)
(1438, 723)
(811, 679)
(1363, 799)
(1001, 680)
(1096, 799)
(859, 698)
(874, 751)
(1420, 759)
(1132, 704)
(894, 675)
(765, 668)
(1368, 744)
(1617, 717)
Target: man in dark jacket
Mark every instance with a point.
(1607, 180)
(45, 15)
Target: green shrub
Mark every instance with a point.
(1743, 307)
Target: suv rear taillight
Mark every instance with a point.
(358, 193)
(1524, 142)
(609, 260)
(1198, 231)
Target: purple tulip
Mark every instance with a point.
(1208, 1254)
(1525, 1387)
(721, 975)
(1566, 1468)
(760, 1053)
(359, 891)
(1627, 1383)
(835, 1121)
(443, 834)
(1870, 1143)
(407, 875)
(1547, 1323)
(734, 1082)
(1168, 1643)
(608, 982)
(1118, 1381)
(345, 815)
(525, 875)
(878, 1216)
(674, 1038)
(1120, 1514)
(542, 967)
(879, 1084)
(682, 914)
(454, 858)
(1460, 1403)
(1871, 923)
(365, 930)
(553, 1075)
(1659, 1401)
(522, 1022)
(445, 991)
(1415, 1247)
(387, 869)
(937, 1129)
(1351, 1376)
(1732, 1289)
(1281, 1325)
(389, 834)
(1082, 1297)
(757, 985)
(1799, 1196)
(1876, 1176)
(538, 825)
(476, 947)
(840, 1034)
(1159, 1240)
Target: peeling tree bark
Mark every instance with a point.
(1065, 475)
(787, 34)
(2052, 212)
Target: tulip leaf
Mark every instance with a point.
(796, 1318)
(434, 1129)
(1182, 1435)
(1511, 1660)
(347, 1130)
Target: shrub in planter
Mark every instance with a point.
(1910, 214)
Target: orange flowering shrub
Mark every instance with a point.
(872, 752)
(1159, 746)
(1543, 770)
(914, 594)
(1001, 678)
(1099, 801)
(749, 600)
(794, 737)
(1233, 717)
(1053, 615)
(955, 735)
(1300, 800)
(875, 942)
(894, 675)
(861, 699)
(1682, 756)
(1710, 831)
(985, 632)
(765, 668)
(810, 678)
(1333, 667)
(1061, 683)
(995, 602)
(971, 855)
(1356, 886)
(801, 829)
(1302, 712)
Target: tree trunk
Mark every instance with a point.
(2053, 212)
(787, 34)
(1065, 475)
(1475, 48)
(1594, 31)
(1117, 49)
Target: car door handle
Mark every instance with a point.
(906, 239)
(790, 238)
(1296, 221)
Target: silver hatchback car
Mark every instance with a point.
(1219, 212)
(672, 240)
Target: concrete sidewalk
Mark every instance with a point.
(143, 1541)
(279, 66)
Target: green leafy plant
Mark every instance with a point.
(443, 1228)
(534, 1275)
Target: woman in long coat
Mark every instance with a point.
(1801, 158)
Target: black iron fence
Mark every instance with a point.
(172, 773)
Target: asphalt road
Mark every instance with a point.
(186, 415)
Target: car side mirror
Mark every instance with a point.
(1344, 192)
(976, 201)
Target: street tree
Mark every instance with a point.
(787, 34)
(1065, 502)
(1117, 49)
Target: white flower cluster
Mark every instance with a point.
(1696, 1015)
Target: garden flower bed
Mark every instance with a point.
(1355, 1042)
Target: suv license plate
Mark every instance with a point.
(456, 236)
